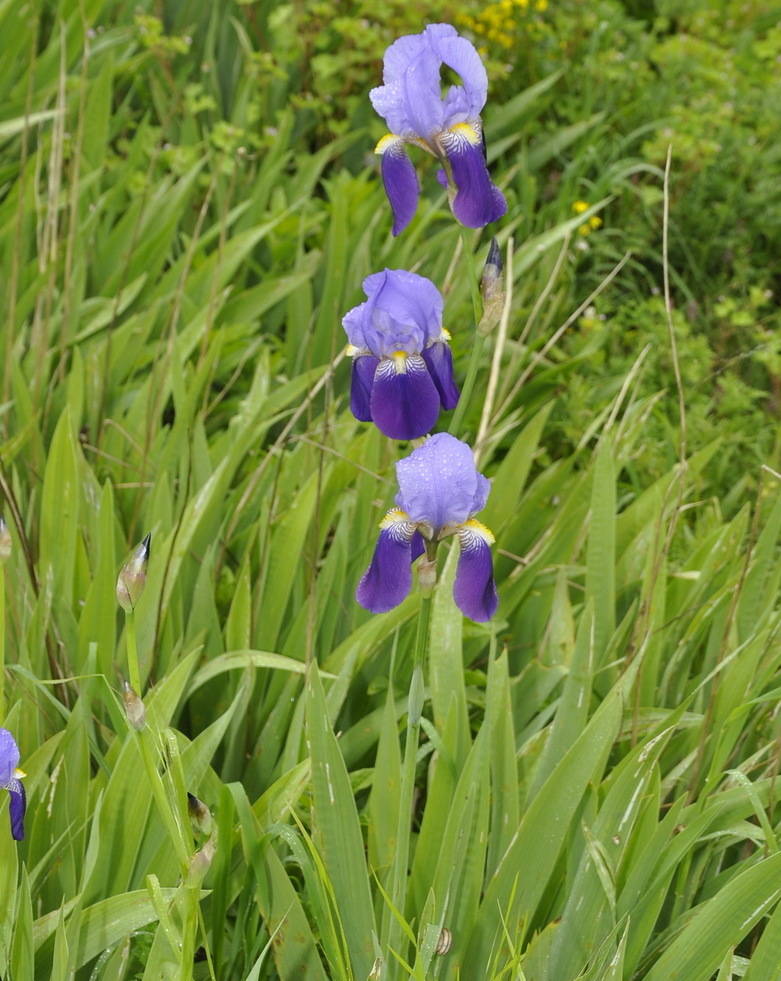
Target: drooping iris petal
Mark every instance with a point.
(400, 181)
(17, 809)
(439, 484)
(404, 404)
(439, 360)
(361, 381)
(388, 579)
(478, 201)
(474, 589)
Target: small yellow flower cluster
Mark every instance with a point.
(592, 224)
(497, 21)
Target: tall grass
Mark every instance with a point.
(596, 788)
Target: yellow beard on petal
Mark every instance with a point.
(468, 132)
(478, 528)
(400, 362)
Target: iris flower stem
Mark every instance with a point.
(132, 652)
(479, 339)
(414, 712)
(148, 749)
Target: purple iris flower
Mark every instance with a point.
(402, 366)
(10, 780)
(439, 492)
(449, 126)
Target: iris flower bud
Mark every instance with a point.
(200, 815)
(134, 707)
(492, 290)
(132, 577)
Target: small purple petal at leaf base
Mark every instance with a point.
(405, 404)
(478, 201)
(388, 579)
(474, 589)
(439, 359)
(17, 809)
(418, 546)
(361, 381)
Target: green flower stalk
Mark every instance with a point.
(5, 554)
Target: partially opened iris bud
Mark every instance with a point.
(200, 815)
(134, 707)
(132, 577)
(5, 541)
(492, 290)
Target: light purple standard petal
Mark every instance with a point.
(403, 312)
(404, 404)
(411, 99)
(474, 589)
(438, 483)
(478, 201)
(361, 381)
(388, 579)
(439, 359)
(462, 102)
(401, 183)
(17, 809)
(9, 757)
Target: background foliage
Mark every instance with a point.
(188, 205)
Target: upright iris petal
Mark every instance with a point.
(448, 126)
(402, 369)
(10, 780)
(440, 491)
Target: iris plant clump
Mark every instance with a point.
(402, 371)
(447, 126)
(10, 780)
(402, 366)
(440, 491)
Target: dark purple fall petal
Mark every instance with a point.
(439, 359)
(361, 381)
(388, 579)
(404, 405)
(474, 589)
(17, 809)
(401, 184)
(478, 201)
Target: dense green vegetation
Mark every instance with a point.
(188, 205)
